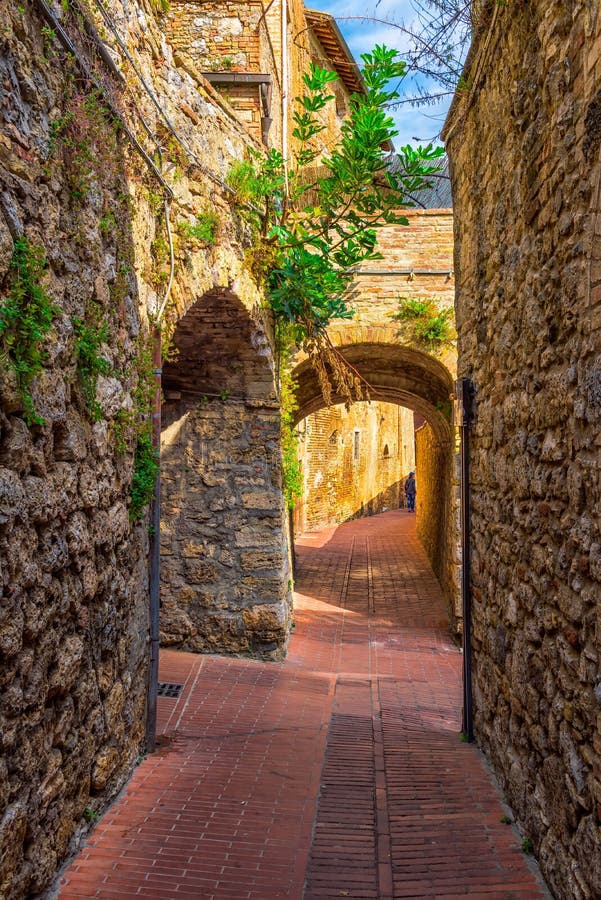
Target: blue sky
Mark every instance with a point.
(423, 123)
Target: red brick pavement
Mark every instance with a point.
(338, 773)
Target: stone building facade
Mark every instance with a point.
(524, 139)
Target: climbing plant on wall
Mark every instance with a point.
(425, 325)
(317, 218)
(26, 316)
(292, 479)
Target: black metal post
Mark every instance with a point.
(155, 558)
(464, 409)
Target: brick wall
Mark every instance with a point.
(426, 244)
(525, 147)
(345, 476)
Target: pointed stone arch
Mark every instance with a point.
(224, 579)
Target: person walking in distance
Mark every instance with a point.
(410, 492)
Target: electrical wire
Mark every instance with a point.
(206, 171)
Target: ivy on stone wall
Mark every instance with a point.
(132, 429)
(90, 335)
(86, 146)
(26, 315)
(292, 479)
(146, 466)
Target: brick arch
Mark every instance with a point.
(413, 379)
(221, 346)
(395, 373)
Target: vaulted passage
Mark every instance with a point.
(413, 381)
(338, 772)
(224, 563)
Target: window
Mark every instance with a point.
(356, 444)
(386, 451)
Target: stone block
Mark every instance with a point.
(104, 767)
(13, 827)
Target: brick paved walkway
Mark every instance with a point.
(338, 773)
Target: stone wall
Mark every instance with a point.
(223, 559)
(224, 570)
(345, 477)
(232, 39)
(525, 145)
(219, 36)
(73, 615)
(73, 608)
(438, 522)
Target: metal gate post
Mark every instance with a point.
(155, 558)
(464, 412)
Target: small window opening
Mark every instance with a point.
(386, 452)
(356, 444)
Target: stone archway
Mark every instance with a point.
(224, 569)
(419, 382)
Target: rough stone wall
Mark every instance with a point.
(229, 38)
(219, 36)
(525, 147)
(340, 485)
(73, 615)
(438, 522)
(224, 559)
(73, 607)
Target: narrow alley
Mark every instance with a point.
(338, 773)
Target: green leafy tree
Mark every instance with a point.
(315, 220)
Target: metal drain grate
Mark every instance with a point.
(167, 689)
